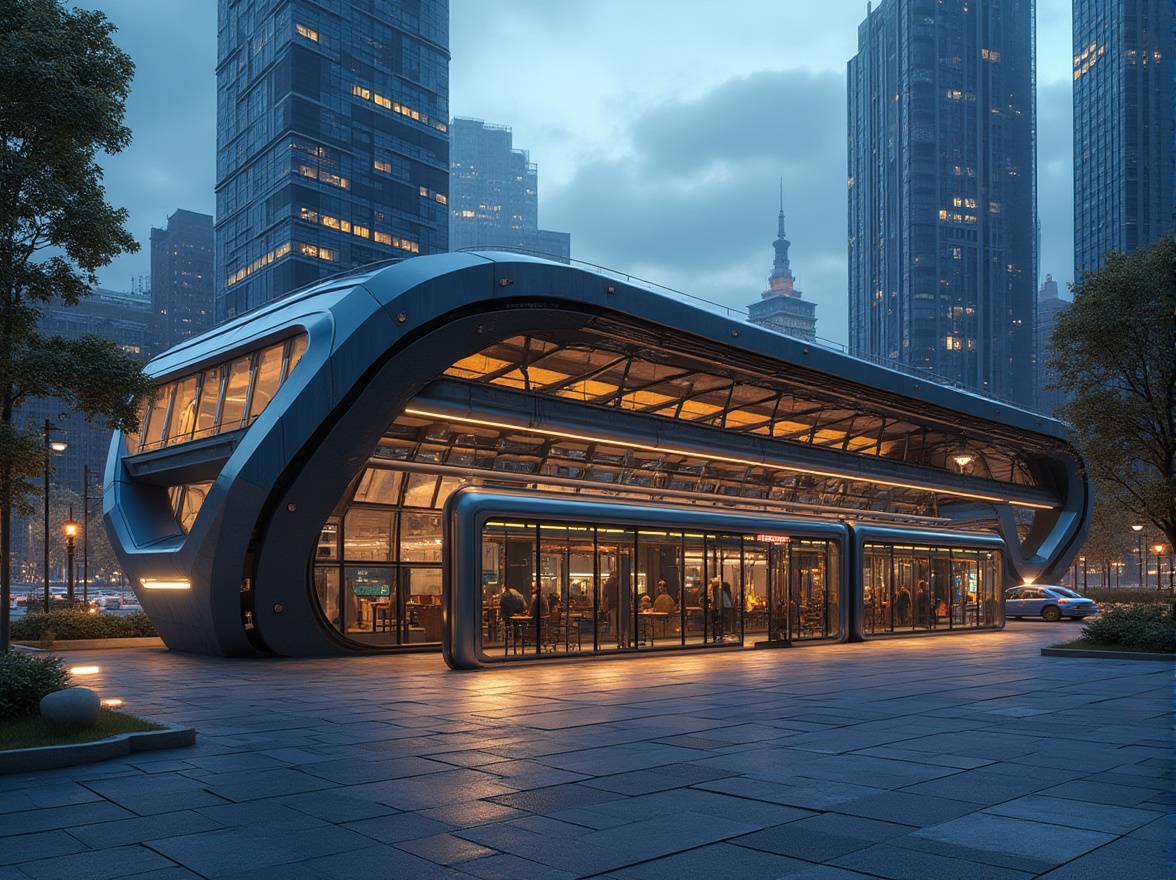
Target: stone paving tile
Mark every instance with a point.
(992, 784)
(854, 827)
(1015, 862)
(807, 794)
(169, 792)
(558, 797)
(143, 829)
(508, 867)
(444, 849)
(1035, 840)
(262, 814)
(756, 814)
(898, 863)
(716, 860)
(31, 821)
(377, 861)
(905, 808)
(433, 790)
(1072, 813)
(657, 779)
(399, 826)
(801, 843)
(41, 845)
(467, 815)
(1101, 793)
(1122, 860)
(330, 806)
(175, 873)
(106, 864)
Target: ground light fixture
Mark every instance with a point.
(165, 584)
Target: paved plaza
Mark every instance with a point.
(947, 758)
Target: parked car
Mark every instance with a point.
(1049, 601)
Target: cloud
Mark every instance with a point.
(693, 205)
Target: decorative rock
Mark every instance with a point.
(78, 706)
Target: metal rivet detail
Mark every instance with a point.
(291, 507)
(402, 317)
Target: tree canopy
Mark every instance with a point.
(1114, 353)
(63, 87)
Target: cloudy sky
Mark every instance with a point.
(661, 130)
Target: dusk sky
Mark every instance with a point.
(661, 130)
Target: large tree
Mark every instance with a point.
(63, 86)
(1114, 353)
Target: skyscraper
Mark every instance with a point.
(332, 140)
(1124, 126)
(782, 307)
(1049, 306)
(181, 279)
(495, 198)
(942, 192)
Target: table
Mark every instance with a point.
(648, 618)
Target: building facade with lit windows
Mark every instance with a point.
(1124, 127)
(495, 194)
(332, 140)
(181, 279)
(942, 192)
(374, 463)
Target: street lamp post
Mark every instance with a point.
(1142, 571)
(1159, 548)
(70, 528)
(51, 446)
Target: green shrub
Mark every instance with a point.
(25, 679)
(1139, 627)
(67, 625)
(1127, 596)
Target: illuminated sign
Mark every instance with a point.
(773, 539)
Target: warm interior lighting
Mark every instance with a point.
(962, 460)
(154, 584)
(85, 670)
(588, 438)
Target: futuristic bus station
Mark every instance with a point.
(502, 459)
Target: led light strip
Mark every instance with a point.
(588, 438)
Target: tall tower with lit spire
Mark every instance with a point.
(781, 306)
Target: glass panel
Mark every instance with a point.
(236, 388)
(266, 379)
(755, 591)
(183, 411)
(190, 502)
(448, 486)
(422, 595)
(367, 534)
(326, 589)
(369, 603)
(328, 542)
(379, 486)
(297, 349)
(210, 392)
(813, 615)
(133, 440)
(419, 489)
(157, 416)
(659, 584)
(420, 537)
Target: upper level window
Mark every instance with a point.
(219, 398)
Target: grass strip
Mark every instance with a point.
(35, 732)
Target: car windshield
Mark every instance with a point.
(1065, 591)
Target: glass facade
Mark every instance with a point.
(1124, 126)
(332, 140)
(584, 588)
(942, 192)
(910, 588)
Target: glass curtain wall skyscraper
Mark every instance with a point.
(495, 196)
(332, 140)
(942, 192)
(1124, 126)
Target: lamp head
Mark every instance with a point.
(58, 445)
(70, 528)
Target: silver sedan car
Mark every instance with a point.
(1047, 601)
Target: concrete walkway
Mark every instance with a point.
(950, 758)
